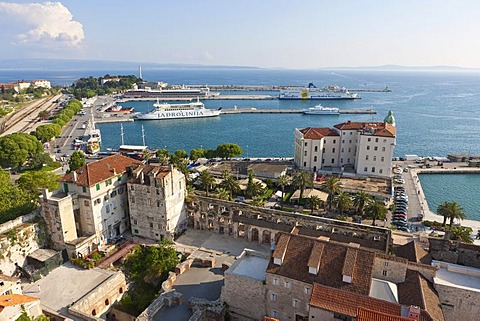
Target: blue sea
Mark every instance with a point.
(437, 112)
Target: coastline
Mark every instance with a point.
(448, 168)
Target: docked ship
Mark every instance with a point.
(175, 111)
(312, 92)
(320, 110)
(119, 109)
(182, 92)
(94, 138)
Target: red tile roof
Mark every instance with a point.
(364, 314)
(413, 252)
(317, 133)
(347, 303)
(298, 251)
(418, 291)
(96, 172)
(15, 299)
(381, 129)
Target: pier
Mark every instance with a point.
(277, 88)
(291, 111)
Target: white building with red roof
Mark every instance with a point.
(41, 83)
(364, 148)
(91, 206)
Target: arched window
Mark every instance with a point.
(94, 312)
(107, 302)
(120, 290)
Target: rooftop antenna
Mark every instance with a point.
(143, 136)
(121, 132)
(140, 72)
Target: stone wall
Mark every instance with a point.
(18, 240)
(319, 314)
(261, 225)
(101, 298)
(459, 304)
(389, 269)
(455, 252)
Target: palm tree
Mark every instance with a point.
(258, 201)
(229, 183)
(360, 200)
(376, 210)
(461, 233)
(222, 194)
(314, 202)
(301, 180)
(343, 201)
(443, 210)
(332, 186)
(456, 212)
(207, 180)
(283, 181)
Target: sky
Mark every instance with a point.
(261, 33)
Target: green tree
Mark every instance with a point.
(332, 186)
(444, 210)
(462, 233)
(77, 160)
(34, 182)
(229, 183)
(343, 201)
(163, 156)
(253, 188)
(222, 194)
(258, 201)
(207, 180)
(17, 148)
(456, 213)
(314, 202)
(196, 154)
(360, 200)
(14, 201)
(228, 150)
(282, 182)
(37, 161)
(302, 180)
(376, 210)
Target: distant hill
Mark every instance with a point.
(408, 68)
(68, 64)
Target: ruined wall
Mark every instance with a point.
(261, 225)
(19, 240)
(454, 252)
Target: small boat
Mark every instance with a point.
(320, 110)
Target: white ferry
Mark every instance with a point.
(175, 111)
(312, 92)
(320, 110)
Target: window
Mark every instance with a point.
(304, 164)
(97, 186)
(295, 303)
(86, 203)
(348, 160)
(375, 148)
(273, 297)
(383, 149)
(151, 224)
(315, 158)
(316, 148)
(374, 158)
(275, 281)
(366, 157)
(305, 153)
(365, 169)
(135, 231)
(385, 264)
(369, 139)
(134, 222)
(108, 182)
(333, 150)
(382, 159)
(158, 203)
(120, 290)
(323, 160)
(307, 291)
(341, 160)
(274, 314)
(132, 188)
(341, 317)
(97, 201)
(384, 140)
(373, 169)
(376, 140)
(380, 171)
(120, 190)
(84, 189)
(287, 284)
(384, 273)
(351, 133)
(133, 200)
(349, 150)
(107, 208)
(333, 160)
(343, 141)
(323, 150)
(343, 149)
(334, 141)
(305, 143)
(368, 147)
(350, 141)
(107, 302)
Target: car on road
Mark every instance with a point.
(403, 228)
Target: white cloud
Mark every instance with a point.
(45, 23)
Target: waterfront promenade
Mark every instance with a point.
(418, 201)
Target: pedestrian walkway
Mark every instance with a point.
(124, 250)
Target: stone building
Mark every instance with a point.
(13, 305)
(261, 225)
(91, 206)
(366, 148)
(156, 196)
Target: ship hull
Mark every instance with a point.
(180, 114)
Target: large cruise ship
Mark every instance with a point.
(175, 111)
(182, 92)
(312, 92)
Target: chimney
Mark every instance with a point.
(414, 312)
(75, 176)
